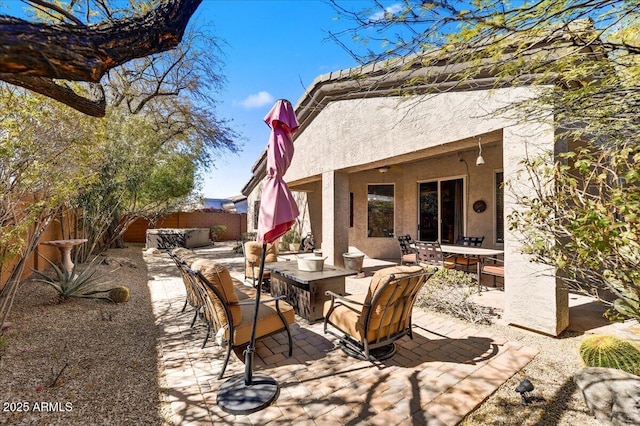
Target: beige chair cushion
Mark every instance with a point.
(253, 254)
(493, 270)
(220, 278)
(345, 316)
(243, 292)
(268, 320)
(411, 257)
(184, 254)
(350, 318)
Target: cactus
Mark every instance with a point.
(610, 352)
(119, 294)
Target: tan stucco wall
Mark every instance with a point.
(420, 139)
(479, 183)
(358, 132)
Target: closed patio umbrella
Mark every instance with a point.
(246, 394)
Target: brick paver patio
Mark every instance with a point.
(437, 378)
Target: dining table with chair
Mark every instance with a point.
(481, 253)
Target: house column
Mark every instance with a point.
(335, 216)
(534, 297)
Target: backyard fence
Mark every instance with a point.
(62, 227)
(235, 223)
(65, 227)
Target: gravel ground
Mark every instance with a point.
(88, 362)
(84, 361)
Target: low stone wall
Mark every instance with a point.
(170, 237)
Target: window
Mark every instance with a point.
(380, 211)
(499, 207)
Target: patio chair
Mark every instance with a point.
(252, 254)
(430, 253)
(192, 297)
(224, 311)
(495, 268)
(371, 322)
(466, 262)
(184, 258)
(408, 252)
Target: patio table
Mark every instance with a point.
(305, 290)
(479, 252)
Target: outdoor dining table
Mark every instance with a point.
(479, 252)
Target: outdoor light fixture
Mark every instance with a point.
(479, 160)
(523, 389)
(383, 169)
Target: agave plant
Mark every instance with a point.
(70, 284)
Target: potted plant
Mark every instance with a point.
(291, 240)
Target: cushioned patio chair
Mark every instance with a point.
(430, 253)
(224, 311)
(371, 322)
(408, 253)
(494, 268)
(466, 262)
(252, 255)
(182, 260)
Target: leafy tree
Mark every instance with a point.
(160, 131)
(584, 57)
(45, 155)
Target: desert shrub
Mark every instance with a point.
(216, 232)
(449, 291)
(610, 352)
(68, 284)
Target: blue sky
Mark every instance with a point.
(274, 50)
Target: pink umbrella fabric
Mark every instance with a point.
(278, 209)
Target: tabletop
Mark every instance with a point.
(472, 251)
(290, 270)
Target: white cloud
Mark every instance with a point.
(391, 10)
(257, 100)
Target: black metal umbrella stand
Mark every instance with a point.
(246, 393)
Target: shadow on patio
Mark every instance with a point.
(447, 370)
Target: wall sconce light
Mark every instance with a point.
(383, 169)
(479, 160)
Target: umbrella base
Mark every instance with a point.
(235, 397)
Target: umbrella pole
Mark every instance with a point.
(248, 353)
(244, 393)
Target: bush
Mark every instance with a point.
(216, 232)
(449, 291)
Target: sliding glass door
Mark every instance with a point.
(441, 210)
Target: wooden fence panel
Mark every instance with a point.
(236, 224)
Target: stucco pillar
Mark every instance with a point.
(335, 216)
(534, 298)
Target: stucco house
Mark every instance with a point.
(374, 163)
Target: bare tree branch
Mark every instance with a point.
(85, 53)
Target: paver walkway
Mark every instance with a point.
(437, 378)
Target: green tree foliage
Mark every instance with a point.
(145, 158)
(45, 156)
(584, 58)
